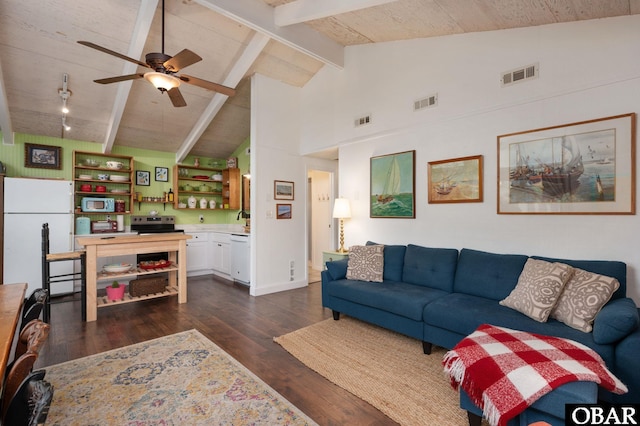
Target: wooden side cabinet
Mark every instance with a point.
(330, 256)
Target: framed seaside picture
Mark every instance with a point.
(282, 190)
(458, 180)
(42, 156)
(586, 167)
(283, 211)
(392, 184)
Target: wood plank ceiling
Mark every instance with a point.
(288, 40)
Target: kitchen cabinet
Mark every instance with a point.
(88, 166)
(220, 253)
(199, 182)
(198, 262)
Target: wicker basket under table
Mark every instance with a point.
(144, 286)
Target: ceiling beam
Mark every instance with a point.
(240, 68)
(259, 16)
(138, 38)
(300, 11)
(5, 118)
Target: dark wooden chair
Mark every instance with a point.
(30, 405)
(33, 306)
(19, 371)
(48, 279)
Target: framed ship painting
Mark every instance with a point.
(393, 186)
(458, 180)
(586, 167)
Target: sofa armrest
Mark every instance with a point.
(616, 320)
(338, 268)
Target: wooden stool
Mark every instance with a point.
(48, 279)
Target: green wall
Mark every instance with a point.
(12, 156)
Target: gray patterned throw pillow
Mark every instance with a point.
(538, 289)
(583, 297)
(366, 263)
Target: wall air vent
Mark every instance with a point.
(519, 75)
(429, 101)
(361, 121)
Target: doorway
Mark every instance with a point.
(320, 224)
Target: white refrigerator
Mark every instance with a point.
(28, 203)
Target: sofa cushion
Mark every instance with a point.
(365, 263)
(338, 268)
(463, 313)
(582, 298)
(486, 274)
(616, 320)
(399, 298)
(430, 267)
(610, 268)
(539, 287)
(393, 261)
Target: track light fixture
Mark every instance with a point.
(65, 93)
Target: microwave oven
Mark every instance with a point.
(90, 204)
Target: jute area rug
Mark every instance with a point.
(180, 379)
(384, 368)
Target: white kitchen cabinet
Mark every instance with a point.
(198, 258)
(221, 253)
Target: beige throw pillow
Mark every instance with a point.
(366, 263)
(584, 295)
(538, 289)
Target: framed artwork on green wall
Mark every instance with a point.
(162, 174)
(42, 156)
(143, 178)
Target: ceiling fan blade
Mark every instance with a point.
(176, 97)
(181, 60)
(119, 78)
(111, 52)
(207, 85)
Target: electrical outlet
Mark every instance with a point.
(201, 219)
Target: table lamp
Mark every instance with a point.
(341, 210)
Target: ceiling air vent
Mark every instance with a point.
(361, 121)
(520, 74)
(429, 101)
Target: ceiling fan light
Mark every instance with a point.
(162, 81)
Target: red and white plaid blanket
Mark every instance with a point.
(504, 371)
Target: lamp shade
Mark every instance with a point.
(162, 81)
(341, 209)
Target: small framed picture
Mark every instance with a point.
(282, 190)
(42, 156)
(283, 211)
(162, 174)
(143, 178)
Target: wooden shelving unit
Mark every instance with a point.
(226, 192)
(80, 167)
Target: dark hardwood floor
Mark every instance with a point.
(242, 325)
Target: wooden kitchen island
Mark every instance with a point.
(173, 243)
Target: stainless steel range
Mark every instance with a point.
(154, 224)
(145, 225)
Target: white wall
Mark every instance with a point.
(588, 70)
(322, 225)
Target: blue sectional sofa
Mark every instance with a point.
(440, 295)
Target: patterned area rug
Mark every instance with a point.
(181, 379)
(386, 369)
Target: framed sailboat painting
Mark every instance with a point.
(393, 186)
(586, 167)
(458, 180)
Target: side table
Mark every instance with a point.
(330, 256)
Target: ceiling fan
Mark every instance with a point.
(164, 67)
